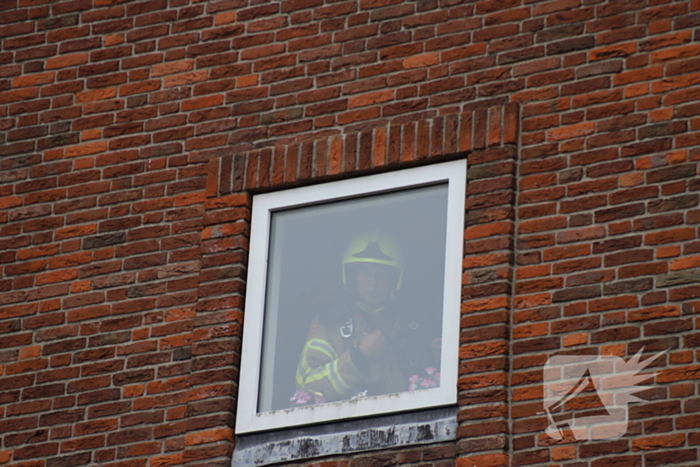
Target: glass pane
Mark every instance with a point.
(354, 296)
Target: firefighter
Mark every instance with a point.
(349, 349)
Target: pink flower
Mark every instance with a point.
(300, 397)
(419, 382)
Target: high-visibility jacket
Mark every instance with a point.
(332, 364)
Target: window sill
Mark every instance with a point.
(402, 429)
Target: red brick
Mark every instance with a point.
(64, 61)
(100, 219)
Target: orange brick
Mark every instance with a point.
(247, 81)
(336, 155)
(190, 199)
(481, 350)
(694, 124)
(165, 461)
(669, 236)
(81, 286)
(530, 330)
(75, 231)
(614, 303)
(636, 90)
(654, 312)
(139, 87)
(26, 353)
(617, 50)
(7, 202)
(633, 179)
(172, 342)
(184, 79)
(75, 259)
(563, 453)
(143, 403)
(380, 147)
(531, 301)
(675, 82)
(420, 61)
(86, 149)
(22, 94)
(84, 163)
(56, 276)
(580, 338)
(237, 200)
(225, 17)
(678, 374)
(485, 460)
(210, 436)
(539, 270)
(658, 442)
(685, 263)
(205, 392)
(88, 135)
(17, 311)
(53, 154)
(485, 304)
(488, 230)
(27, 366)
(86, 313)
(169, 68)
(482, 381)
(64, 61)
(676, 157)
(571, 131)
(635, 76)
(202, 102)
(617, 350)
(675, 53)
(358, 115)
(134, 390)
(370, 98)
(33, 80)
(661, 115)
(668, 252)
(173, 384)
(485, 260)
(113, 39)
(176, 413)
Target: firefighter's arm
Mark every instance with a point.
(322, 370)
(372, 345)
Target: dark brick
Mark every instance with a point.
(621, 212)
(102, 241)
(576, 293)
(626, 287)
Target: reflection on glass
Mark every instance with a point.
(354, 299)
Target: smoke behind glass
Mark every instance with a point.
(305, 272)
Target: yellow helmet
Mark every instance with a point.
(376, 248)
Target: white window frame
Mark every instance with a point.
(248, 420)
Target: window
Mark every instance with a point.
(353, 297)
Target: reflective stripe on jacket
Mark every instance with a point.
(326, 365)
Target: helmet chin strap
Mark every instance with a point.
(366, 307)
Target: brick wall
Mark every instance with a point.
(132, 134)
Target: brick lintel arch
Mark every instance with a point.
(488, 138)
